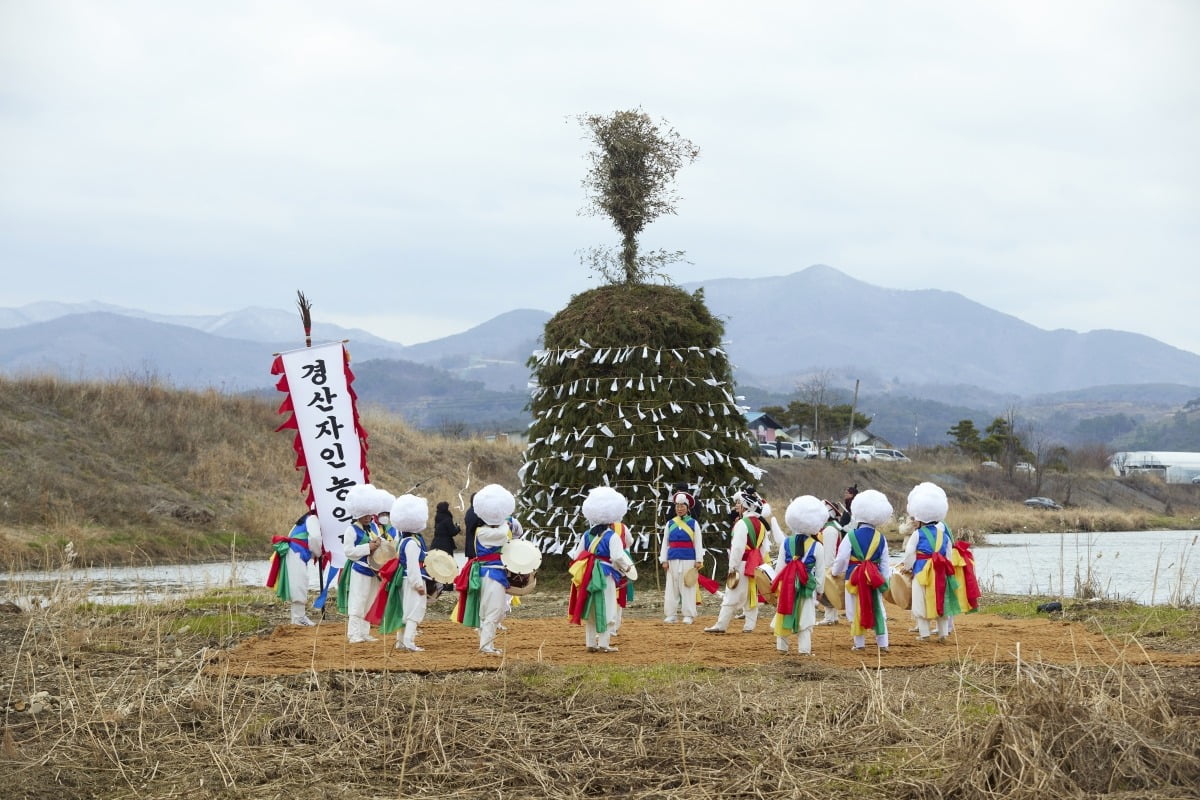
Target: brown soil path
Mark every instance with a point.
(980, 637)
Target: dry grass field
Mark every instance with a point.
(212, 697)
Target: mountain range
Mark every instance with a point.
(780, 332)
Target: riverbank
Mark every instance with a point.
(162, 700)
(218, 481)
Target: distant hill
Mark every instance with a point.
(924, 359)
(919, 342)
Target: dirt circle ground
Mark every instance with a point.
(538, 633)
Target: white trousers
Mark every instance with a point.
(297, 571)
(738, 599)
(415, 606)
(492, 607)
(593, 638)
(359, 594)
(927, 622)
(881, 639)
(808, 618)
(677, 595)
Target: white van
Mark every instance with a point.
(888, 454)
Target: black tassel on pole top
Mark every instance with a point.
(305, 316)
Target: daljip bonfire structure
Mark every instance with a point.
(634, 391)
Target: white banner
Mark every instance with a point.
(327, 429)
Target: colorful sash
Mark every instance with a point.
(865, 582)
(587, 583)
(794, 584)
(681, 539)
(934, 573)
(468, 585)
(277, 577)
(625, 591)
(967, 591)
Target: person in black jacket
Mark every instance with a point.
(847, 498)
(471, 521)
(444, 529)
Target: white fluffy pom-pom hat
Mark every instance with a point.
(494, 504)
(360, 500)
(409, 513)
(806, 514)
(871, 507)
(927, 503)
(604, 506)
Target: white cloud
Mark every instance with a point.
(1037, 158)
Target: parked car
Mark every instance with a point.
(768, 450)
(789, 450)
(808, 448)
(1024, 466)
(888, 454)
(1043, 502)
(991, 465)
(861, 454)
(1196, 479)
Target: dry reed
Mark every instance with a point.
(132, 712)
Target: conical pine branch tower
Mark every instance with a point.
(634, 392)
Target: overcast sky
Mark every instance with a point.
(415, 168)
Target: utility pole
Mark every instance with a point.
(850, 433)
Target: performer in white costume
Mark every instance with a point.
(359, 580)
(799, 574)
(597, 564)
(863, 559)
(410, 515)
(682, 549)
(830, 537)
(483, 582)
(928, 555)
(746, 541)
(289, 564)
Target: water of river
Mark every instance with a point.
(1147, 567)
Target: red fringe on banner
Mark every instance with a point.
(287, 407)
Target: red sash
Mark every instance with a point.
(787, 584)
(972, 585)
(866, 578)
(754, 555)
(942, 569)
(579, 594)
(462, 582)
(273, 575)
(374, 615)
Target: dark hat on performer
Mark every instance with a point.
(684, 497)
(749, 499)
(443, 506)
(852, 489)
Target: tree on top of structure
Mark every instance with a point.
(631, 181)
(634, 389)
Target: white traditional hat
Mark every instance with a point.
(383, 501)
(684, 497)
(494, 504)
(871, 507)
(749, 499)
(927, 502)
(409, 513)
(604, 506)
(806, 514)
(360, 500)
